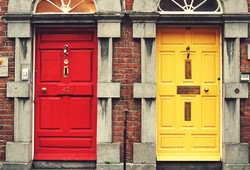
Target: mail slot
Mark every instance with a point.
(188, 89)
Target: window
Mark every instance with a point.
(189, 6)
(66, 6)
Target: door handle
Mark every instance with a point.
(44, 89)
(206, 90)
(66, 71)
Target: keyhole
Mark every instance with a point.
(188, 52)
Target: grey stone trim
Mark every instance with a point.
(109, 29)
(229, 6)
(142, 6)
(63, 165)
(235, 153)
(248, 51)
(236, 90)
(147, 92)
(236, 166)
(236, 30)
(108, 90)
(144, 90)
(109, 6)
(108, 153)
(20, 89)
(19, 29)
(17, 166)
(144, 153)
(147, 30)
(18, 152)
(129, 166)
(231, 121)
(104, 121)
(148, 120)
(109, 25)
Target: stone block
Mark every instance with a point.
(18, 152)
(20, 6)
(230, 6)
(107, 29)
(108, 153)
(144, 30)
(248, 51)
(148, 119)
(108, 6)
(108, 90)
(235, 153)
(17, 166)
(104, 120)
(141, 6)
(236, 167)
(18, 89)
(144, 153)
(236, 30)
(144, 90)
(21, 29)
(129, 166)
(236, 90)
(64, 165)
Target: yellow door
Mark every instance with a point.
(188, 94)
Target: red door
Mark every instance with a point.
(65, 94)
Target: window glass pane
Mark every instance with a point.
(189, 6)
(66, 6)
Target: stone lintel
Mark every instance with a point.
(108, 153)
(236, 90)
(18, 152)
(18, 89)
(108, 90)
(144, 153)
(144, 90)
(236, 29)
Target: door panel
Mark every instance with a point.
(65, 94)
(188, 94)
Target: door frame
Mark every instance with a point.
(34, 79)
(221, 76)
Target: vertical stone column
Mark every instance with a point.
(107, 151)
(145, 29)
(19, 152)
(234, 153)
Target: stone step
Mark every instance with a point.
(129, 166)
(65, 165)
(236, 167)
(189, 165)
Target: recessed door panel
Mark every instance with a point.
(65, 94)
(188, 94)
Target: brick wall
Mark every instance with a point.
(245, 103)
(126, 69)
(6, 104)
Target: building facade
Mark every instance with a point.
(70, 71)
